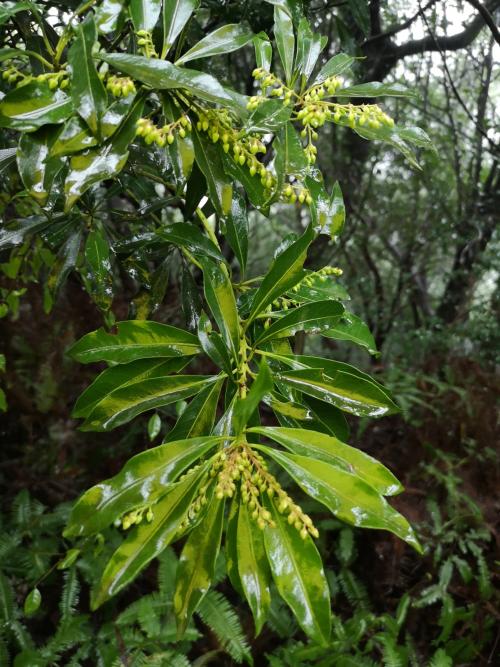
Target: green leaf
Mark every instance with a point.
(176, 14)
(33, 105)
(316, 317)
(290, 157)
(65, 262)
(225, 39)
(308, 49)
(149, 539)
(199, 416)
(32, 602)
(163, 75)
(142, 481)
(213, 345)
(338, 384)
(87, 90)
(346, 495)
(244, 408)
(316, 287)
(335, 66)
(145, 13)
(3, 401)
(97, 271)
(328, 418)
(375, 89)
(36, 168)
(220, 298)
(125, 403)
(220, 186)
(231, 546)
(7, 157)
(107, 15)
(106, 161)
(331, 450)
(69, 559)
(135, 339)
(337, 211)
(285, 41)
(298, 573)
(190, 237)
(352, 328)
(327, 211)
(10, 9)
(269, 116)
(263, 51)
(236, 224)
(256, 192)
(253, 568)
(197, 564)
(285, 272)
(73, 137)
(154, 426)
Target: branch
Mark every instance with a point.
(393, 30)
(487, 18)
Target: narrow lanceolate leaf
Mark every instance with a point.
(144, 13)
(231, 545)
(103, 162)
(143, 480)
(87, 90)
(33, 105)
(327, 211)
(220, 298)
(316, 287)
(285, 40)
(375, 89)
(269, 116)
(353, 329)
(120, 376)
(316, 317)
(337, 211)
(176, 14)
(125, 403)
(253, 568)
(245, 408)
(335, 66)
(236, 223)
(308, 49)
(163, 75)
(285, 272)
(225, 39)
(199, 416)
(36, 168)
(149, 539)
(66, 260)
(331, 450)
(190, 237)
(97, 271)
(298, 573)
(220, 186)
(213, 345)
(290, 158)
(197, 564)
(263, 51)
(134, 339)
(74, 136)
(346, 495)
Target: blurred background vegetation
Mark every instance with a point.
(420, 259)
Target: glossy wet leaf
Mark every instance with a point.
(375, 89)
(135, 339)
(315, 287)
(107, 15)
(213, 344)
(236, 229)
(143, 480)
(335, 66)
(125, 403)
(231, 545)
(285, 41)
(36, 167)
(253, 568)
(97, 271)
(337, 211)
(199, 416)
(87, 90)
(346, 495)
(163, 75)
(252, 185)
(68, 559)
(32, 602)
(331, 450)
(269, 116)
(263, 51)
(186, 235)
(316, 317)
(66, 260)
(327, 211)
(353, 329)
(309, 46)
(219, 295)
(74, 136)
(33, 105)
(225, 39)
(299, 576)
(147, 540)
(290, 158)
(104, 162)
(197, 564)
(176, 14)
(145, 13)
(285, 272)
(245, 407)
(327, 417)
(209, 160)
(154, 426)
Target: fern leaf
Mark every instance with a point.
(216, 612)
(167, 569)
(70, 594)
(391, 652)
(441, 659)
(353, 589)
(346, 547)
(6, 599)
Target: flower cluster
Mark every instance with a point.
(327, 88)
(135, 517)
(54, 80)
(269, 80)
(162, 136)
(120, 86)
(360, 115)
(295, 191)
(244, 148)
(145, 42)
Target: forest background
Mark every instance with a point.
(419, 255)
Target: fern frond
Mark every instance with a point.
(216, 612)
(353, 589)
(392, 653)
(346, 550)
(6, 599)
(280, 619)
(441, 659)
(167, 570)
(70, 594)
